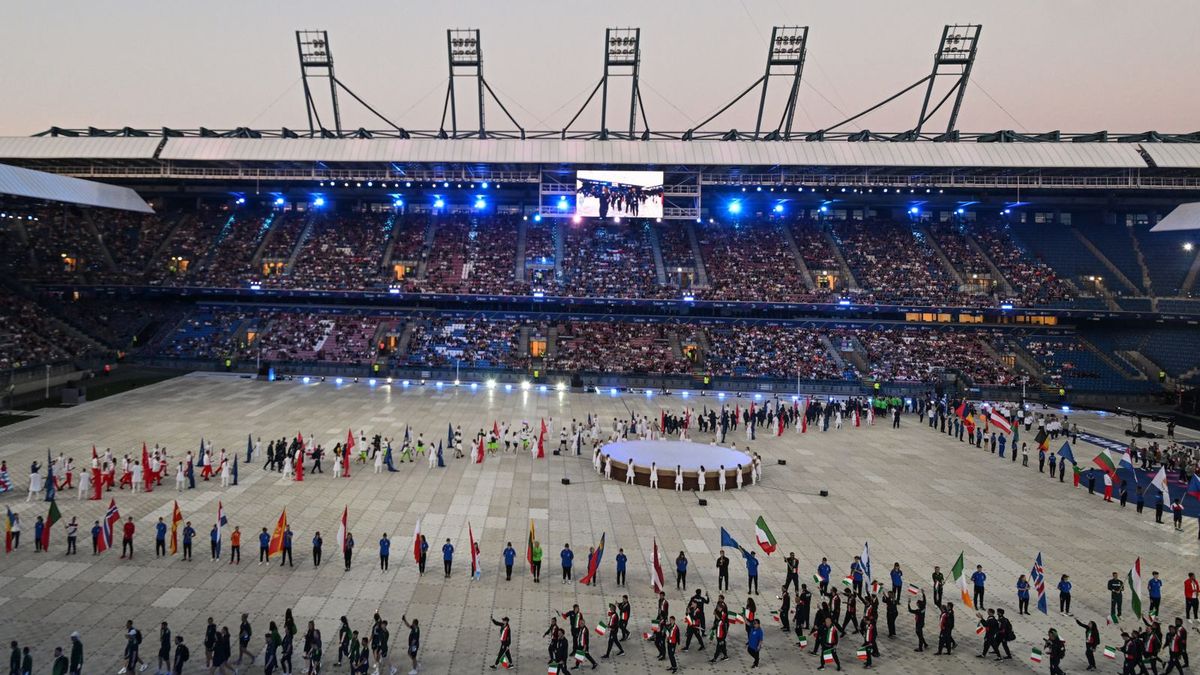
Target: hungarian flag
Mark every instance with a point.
(111, 518)
(346, 453)
(475, 571)
(594, 562)
(417, 542)
(1105, 463)
(861, 654)
(276, 544)
(960, 580)
(8, 525)
(341, 534)
(762, 533)
(529, 547)
(1133, 581)
(53, 517)
(176, 518)
(601, 629)
(1110, 652)
(479, 451)
(1035, 655)
(656, 572)
(999, 421)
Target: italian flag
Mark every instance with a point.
(960, 580)
(551, 669)
(1035, 655)
(827, 656)
(848, 581)
(1110, 652)
(861, 654)
(913, 590)
(802, 643)
(506, 663)
(1105, 463)
(1133, 581)
(762, 533)
(580, 657)
(601, 628)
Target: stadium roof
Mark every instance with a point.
(660, 153)
(1173, 155)
(52, 187)
(51, 147)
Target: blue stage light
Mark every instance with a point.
(485, 185)
(824, 209)
(439, 203)
(371, 382)
(735, 207)
(537, 217)
(338, 381)
(318, 202)
(240, 200)
(914, 210)
(778, 208)
(398, 203)
(480, 203)
(279, 201)
(563, 205)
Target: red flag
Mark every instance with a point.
(656, 572)
(300, 463)
(474, 551)
(804, 417)
(542, 442)
(341, 535)
(97, 483)
(276, 544)
(479, 451)
(417, 542)
(94, 455)
(495, 429)
(780, 431)
(176, 518)
(662, 420)
(856, 421)
(147, 474)
(346, 454)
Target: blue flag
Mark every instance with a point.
(249, 449)
(51, 484)
(727, 540)
(1065, 452)
(233, 472)
(1037, 576)
(440, 461)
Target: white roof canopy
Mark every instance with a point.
(1183, 217)
(53, 187)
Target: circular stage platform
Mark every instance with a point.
(692, 458)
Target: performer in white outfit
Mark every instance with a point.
(721, 479)
(379, 462)
(653, 474)
(608, 467)
(739, 476)
(35, 484)
(678, 478)
(136, 483)
(225, 473)
(85, 484)
(629, 471)
(180, 477)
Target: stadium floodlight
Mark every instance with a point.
(318, 201)
(279, 201)
(824, 209)
(439, 203)
(525, 385)
(485, 184)
(735, 207)
(480, 202)
(914, 210)
(537, 217)
(577, 219)
(778, 208)
(1188, 247)
(960, 211)
(398, 203)
(563, 205)
(240, 200)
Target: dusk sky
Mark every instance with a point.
(1075, 65)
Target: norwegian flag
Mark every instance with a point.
(111, 518)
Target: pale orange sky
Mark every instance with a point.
(1075, 65)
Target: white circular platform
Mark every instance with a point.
(666, 455)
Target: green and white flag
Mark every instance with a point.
(1110, 652)
(762, 533)
(1134, 582)
(1035, 655)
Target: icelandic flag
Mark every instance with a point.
(1038, 576)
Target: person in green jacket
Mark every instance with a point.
(537, 562)
(61, 662)
(76, 654)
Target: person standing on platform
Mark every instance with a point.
(978, 578)
(622, 561)
(448, 560)
(754, 641)
(510, 556)
(160, 539)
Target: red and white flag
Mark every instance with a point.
(417, 542)
(656, 572)
(341, 535)
(346, 453)
(479, 451)
(475, 571)
(999, 421)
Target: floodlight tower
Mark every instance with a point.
(464, 51)
(622, 58)
(785, 58)
(955, 57)
(316, 60)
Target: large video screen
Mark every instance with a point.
(625, 194)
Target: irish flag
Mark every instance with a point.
(1105, 463)
(762, 533)
(1133, 581)
(960, 580)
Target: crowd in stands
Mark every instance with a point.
(625, 348)
(896, 264)
(473, 255)
(231, 261)
(782, 353)
(181, 257)
(204, 334)
(316, 337)
(539, 242)
(29, 337)
(676, 248)
(922, 354)
(1034, 282)
(750, 261)
(470, 343)
(606, 259)
(341, 252)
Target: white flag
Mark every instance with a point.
(1160, 482)
(866, 562)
